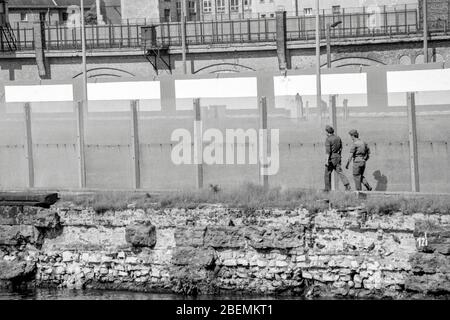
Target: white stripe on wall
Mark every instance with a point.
(124, 90)
(418, 80)
(38, 93)
(346, 83)
(216, 88)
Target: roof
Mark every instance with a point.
(33, 4)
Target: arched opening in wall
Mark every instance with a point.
(354, 62)
(224, 68)
(105, 72)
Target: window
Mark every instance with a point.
(166, 15)
(64, 16)
(308, 11)
(263, 15)
(23, 16)
(272, 15)
(234, 5)
(207, 6)
(247, 4)
(336, 9)
(220, 5)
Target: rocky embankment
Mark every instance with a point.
(217, 250)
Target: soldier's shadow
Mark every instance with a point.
(382, 181)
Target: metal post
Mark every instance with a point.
(328, 46)
(99, 13)
(83, 49)
(29, 144)
(198, 143)
(135, 144)
(80, 144)
(425, 32)
(412, 132)
(318, 83)
(263, 140)
(183, 34)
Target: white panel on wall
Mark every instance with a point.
(216, 88)
(39, 93)
(124, 90)
(418, 80)
(346, 83)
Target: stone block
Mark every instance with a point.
(67, 256)
(430, 263)
(224, 237)
(10, 270)
(32, 216)
(288, 237)
(193, 256)
(141, 234)
(12, 235)
(188, 236)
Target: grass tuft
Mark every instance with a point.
(253, 196)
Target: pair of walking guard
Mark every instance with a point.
(359, 153)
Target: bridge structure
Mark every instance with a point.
(388, 37)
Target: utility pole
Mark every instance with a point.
(425, 31)
(83, 49)
(318, 83)
(329, 26)
(183, 34)
(99, 13)
(328, 46)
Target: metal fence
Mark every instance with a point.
(386, 22)
(60, 37)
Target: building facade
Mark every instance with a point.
(170, 10)
(59, 11)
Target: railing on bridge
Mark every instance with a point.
(60, 37)
(385, 23)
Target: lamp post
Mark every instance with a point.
(329, 26)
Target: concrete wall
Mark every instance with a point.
(377, 110)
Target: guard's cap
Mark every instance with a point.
(329, 129)
(353, 133)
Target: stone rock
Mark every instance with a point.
(12, 235)
(192, 256)
(189, 236)
(67, 256)
(12, 270)
(141, 234)
(224, 237)
(427, 283)
(275, 238)
(430, 263)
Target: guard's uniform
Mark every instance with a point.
(333, 147)
(360, 153)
